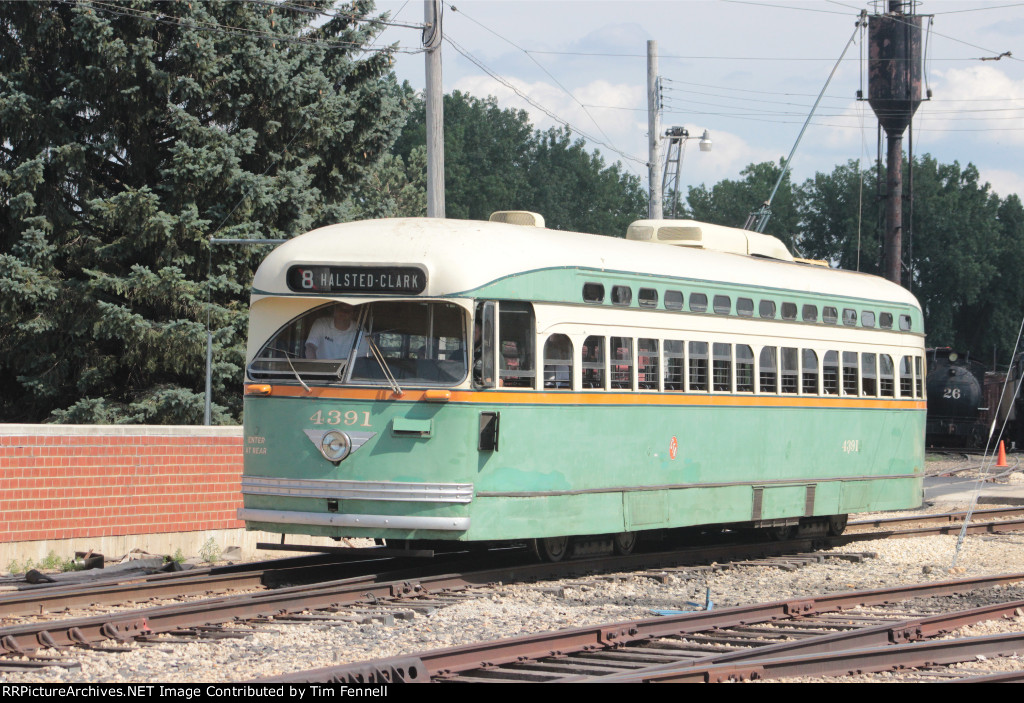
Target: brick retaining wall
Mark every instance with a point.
(84, 481)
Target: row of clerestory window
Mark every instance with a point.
(766, 309)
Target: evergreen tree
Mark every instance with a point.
(132, 132)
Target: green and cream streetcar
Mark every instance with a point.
(429, 379)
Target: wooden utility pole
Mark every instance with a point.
(434, 97)
(654, 209)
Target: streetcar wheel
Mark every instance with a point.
(625, 542)
(552, 549)
(837, 524)
(783, 533)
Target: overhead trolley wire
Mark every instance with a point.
(539, 65)
(508, 84)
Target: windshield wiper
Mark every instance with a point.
(288, 357)
(382, 362)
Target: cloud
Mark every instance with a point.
(979, 98)
(1003, 183)
(603, 111)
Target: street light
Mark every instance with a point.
(677, 138)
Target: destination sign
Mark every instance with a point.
(357, 279)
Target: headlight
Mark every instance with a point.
(335, 446)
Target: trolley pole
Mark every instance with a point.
(434, 97)
(653, 133)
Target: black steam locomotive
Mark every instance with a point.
(956, 416)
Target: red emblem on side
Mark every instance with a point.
(673, 448)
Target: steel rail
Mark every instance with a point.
(870, 659)
(723, 667)
(451, 661)
(859, 526)
(25, 638)
(137, 588)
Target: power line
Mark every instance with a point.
(539, 65)
(505, 82)
(980, 9)
(787, 7)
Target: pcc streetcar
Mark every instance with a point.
(430, 379)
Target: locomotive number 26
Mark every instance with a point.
(337, 417)
(950, 392)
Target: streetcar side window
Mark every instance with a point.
(698, 366)
(593, 362)
(885, 320)
(810, 372)
(766, 309)
(868, 371)
(789, 311)
(721, 369)
(648, 298)
(906, 378)
(558, 362)
(722, 305)
(647, 364)
(829, 315)
(905, 323)
(849, 316)
(698, 302)
(830, 373)
(769, 370)
(744, 369)
(674, 365)
(621, 358)
(593, 293)
(850, 380)
(516, 367)
(885, 375)
(673, 300)
(810, 313)
(867, 318)
(790, 369)
(622, 295)
(744, 307)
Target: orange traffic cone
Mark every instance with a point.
(1001, 463)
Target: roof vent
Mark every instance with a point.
(517, 217)
(701, 235)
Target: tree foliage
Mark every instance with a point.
(729, 202)
(130, 133)
(964, 260)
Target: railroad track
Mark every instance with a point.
(406, 587)
(830, 635)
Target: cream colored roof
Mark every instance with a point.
(461, 255)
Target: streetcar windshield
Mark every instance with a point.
(413, 343)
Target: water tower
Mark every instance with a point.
(894, 93)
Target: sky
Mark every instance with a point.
(746, 71)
